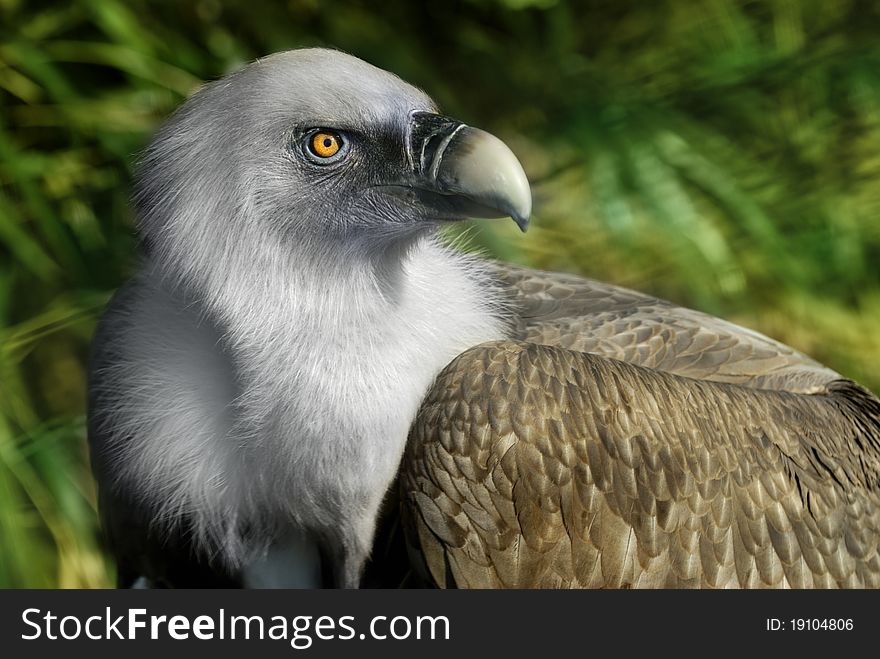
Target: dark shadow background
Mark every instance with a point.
(721, 153)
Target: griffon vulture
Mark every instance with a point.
(294, 319)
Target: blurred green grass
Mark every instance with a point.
(724, 154)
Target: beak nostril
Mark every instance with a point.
(428, 133)
(440, 151)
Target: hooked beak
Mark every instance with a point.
(464, 172)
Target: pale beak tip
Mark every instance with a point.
(522, 221)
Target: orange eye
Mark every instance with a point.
(325, 145)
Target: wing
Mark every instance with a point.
(591, 316)
(556, 466)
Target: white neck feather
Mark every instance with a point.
(332, 360)
(295, 321)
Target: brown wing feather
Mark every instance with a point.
(538, 466)
(591, 316)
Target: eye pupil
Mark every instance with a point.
(328, 142)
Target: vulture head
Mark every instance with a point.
(319, 150)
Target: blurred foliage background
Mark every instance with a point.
(723, 154)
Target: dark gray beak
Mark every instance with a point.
(466, 172)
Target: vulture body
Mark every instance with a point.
(297, 347)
